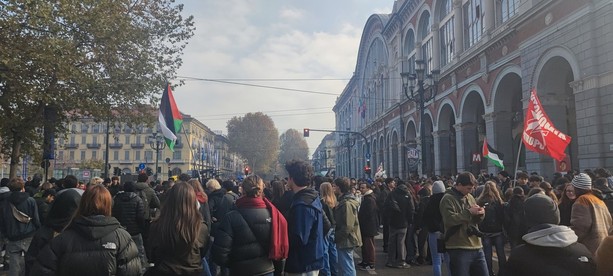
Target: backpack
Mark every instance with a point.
(492, 222)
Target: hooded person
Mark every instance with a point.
(550, 249)
(434, 223)
(60, 214)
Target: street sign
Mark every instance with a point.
(141, 166)
(476, 158)
(367, 155)
(86, 174)
(412, 157)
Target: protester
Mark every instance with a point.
(94, 243)
(566, 204)
(347, 228)
(590, 218)
(249, 238)
(368, 216)
(60, 215)
(328, 200)
(492, 225)
(515, 217)
(203, 201)
(178, 235)
(386, 188)
(305, 222)
(434, 223)
(400, 210)
(461, 214)
(129, 210)
(18, 223)
(550, 249)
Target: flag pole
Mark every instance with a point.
(517, 162)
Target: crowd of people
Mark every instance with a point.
(309, 225)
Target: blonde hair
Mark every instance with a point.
(213, 185)
(327, 194)
(96, 181)
(490, 193)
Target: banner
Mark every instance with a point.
(540, 135)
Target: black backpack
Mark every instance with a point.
(493, 220)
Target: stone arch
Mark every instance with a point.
(424, 11)
(556, 69)
(505, 120)
(473, 129)
(447, 154)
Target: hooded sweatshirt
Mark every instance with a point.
(550, 250)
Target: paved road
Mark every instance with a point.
(381, 269)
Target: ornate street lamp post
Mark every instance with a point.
(420, 96)
(156, 142)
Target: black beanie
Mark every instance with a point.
(541, 209)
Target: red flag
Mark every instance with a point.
(539, 133)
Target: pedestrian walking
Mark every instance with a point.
(94, 243)
(178, 235)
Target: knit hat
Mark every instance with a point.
(438, 187)
(540, 209)
(582, 181)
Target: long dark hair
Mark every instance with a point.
(179, 218)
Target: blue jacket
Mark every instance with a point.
(305, 231)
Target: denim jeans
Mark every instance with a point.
(16, 251)
(397, 250)
(330, 256)
(498, 242)
(346, 266)
(437, 258)
(138, 239)
(205, 268)
(464, 262)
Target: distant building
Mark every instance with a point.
(198, 149)
(324, 156)
(490, 55)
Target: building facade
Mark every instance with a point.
(82, 152)
(324, 156)
(491, 54)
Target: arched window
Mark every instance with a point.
(446, 34)
(409, 47)
(376, 61)
(426, 44)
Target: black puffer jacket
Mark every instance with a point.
(399, 206)
(214, 201)
(91, 246)
(242, 242)
(368, 216)
(129, 210)
(432, 214)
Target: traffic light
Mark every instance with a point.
(367, 170)
(306, 132)
(149, 171)
(116, 171)
(247, 170)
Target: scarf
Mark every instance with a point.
(279, 242)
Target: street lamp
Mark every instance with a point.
(420, 96)
(156, 142)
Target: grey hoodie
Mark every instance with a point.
(551, 236)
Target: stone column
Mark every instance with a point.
(499, 136)
(458, 28)
(436, 47)
(466, 135)
(440, 158)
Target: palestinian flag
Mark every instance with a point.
(493, 155)
(169, 117)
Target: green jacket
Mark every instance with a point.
(454, 211)
(347, 229)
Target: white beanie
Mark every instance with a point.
(438, 187)
(582, 181)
